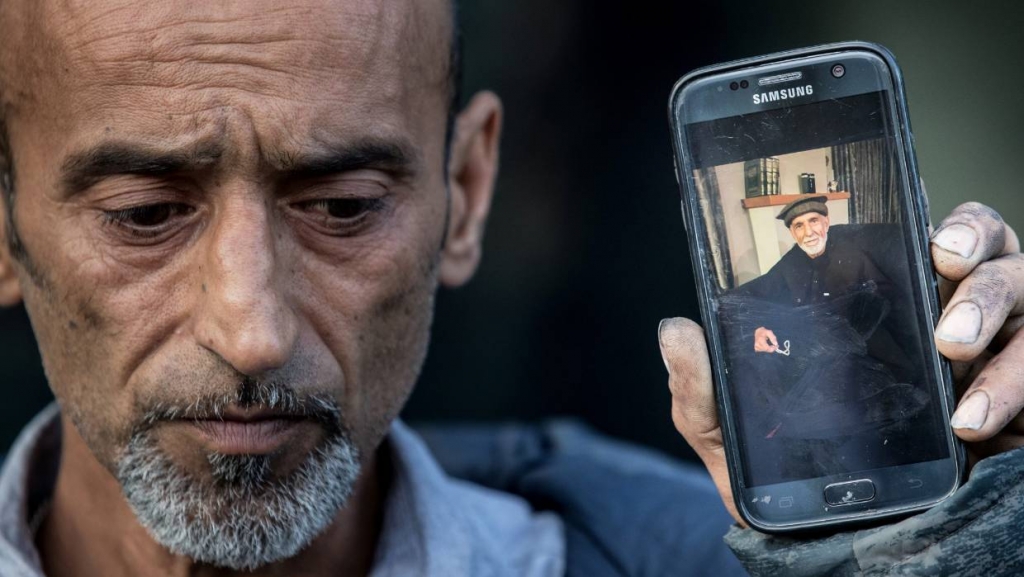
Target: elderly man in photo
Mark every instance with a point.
(848, 385)
(815, 270)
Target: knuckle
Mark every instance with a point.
(699, 434)
(677, 388)
(710, 440)
(677, 418)
(992, 286)
(691, 426)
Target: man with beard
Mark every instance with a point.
(227, 223)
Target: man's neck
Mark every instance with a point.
(90, 529)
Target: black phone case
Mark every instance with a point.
(698, 256)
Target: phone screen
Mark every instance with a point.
(808, 229)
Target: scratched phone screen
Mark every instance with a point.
(811, 252)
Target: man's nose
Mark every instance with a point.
(244, 316)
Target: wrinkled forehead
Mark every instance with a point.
(807, 217)
(303, 63)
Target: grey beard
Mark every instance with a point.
(824, 243)
(244, 519)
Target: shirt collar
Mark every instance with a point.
(435, 525)
(27, 480)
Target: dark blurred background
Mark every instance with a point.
(585, 250)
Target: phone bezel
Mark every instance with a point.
(925, 277)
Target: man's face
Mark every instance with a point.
(810, 231)
(222, 207)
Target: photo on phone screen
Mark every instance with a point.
(811, 261)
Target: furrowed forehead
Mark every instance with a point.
(54, 45)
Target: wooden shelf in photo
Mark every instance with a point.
(784, 199)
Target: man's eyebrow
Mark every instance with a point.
(397, 157)
(83, 169)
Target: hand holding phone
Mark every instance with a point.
(983, 252)
(840, 413)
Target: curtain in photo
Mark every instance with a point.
(868, 171)
(714, 222)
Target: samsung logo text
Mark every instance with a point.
(783, 94)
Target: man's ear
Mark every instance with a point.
(10, 290)
(472, 169)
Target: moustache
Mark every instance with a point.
(272, 399)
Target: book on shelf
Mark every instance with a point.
(761, 177)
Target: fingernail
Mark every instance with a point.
(972, 412)
(661, 343)
(961, 325)
(958, 239)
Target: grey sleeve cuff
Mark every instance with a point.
(976, 531)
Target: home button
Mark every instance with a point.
(850, 492)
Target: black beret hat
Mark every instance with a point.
(812, 203)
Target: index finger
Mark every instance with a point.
(972, 234)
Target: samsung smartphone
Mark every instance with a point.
(808, 236)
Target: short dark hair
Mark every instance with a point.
(7, 175)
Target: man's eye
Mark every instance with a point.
(147, 219)
(343, 208)
(341, 216)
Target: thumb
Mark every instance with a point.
(694, 412)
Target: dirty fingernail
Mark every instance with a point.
(961, 325)
(972, 412)
(958, 239)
